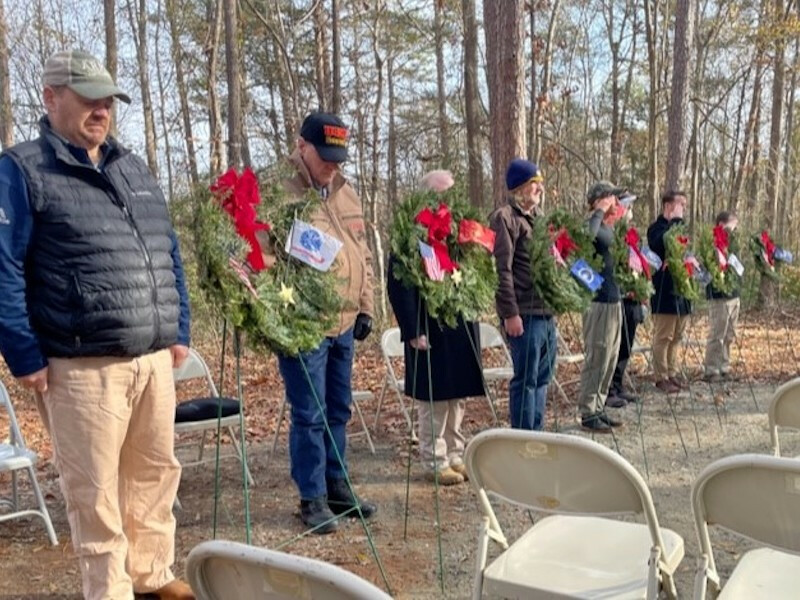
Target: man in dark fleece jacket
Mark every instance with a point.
(603, 320)
(529, 325)
(670, 311)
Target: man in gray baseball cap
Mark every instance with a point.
(83, 74)
(94, 316)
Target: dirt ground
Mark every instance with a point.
(711, 423)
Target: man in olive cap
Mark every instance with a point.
(94, 315)
(602, 321)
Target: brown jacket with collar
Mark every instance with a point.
(515, 292)
(341, 215)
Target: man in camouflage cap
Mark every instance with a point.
(94, 315)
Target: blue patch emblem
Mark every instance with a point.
(311, 240)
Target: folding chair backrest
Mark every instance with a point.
(195, 367)
(16, 438)
(784, 410)
(490, 336)
(391, 346)
(218, 570)
(556, 473)
(753, 495)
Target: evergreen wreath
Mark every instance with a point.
(283, 306)
(763, 249)
(634, 283)
(714, 246)
(677, 244)
(557, 241)
(469, 280)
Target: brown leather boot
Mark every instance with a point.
(174, 590)
(446, 477)
(461, 469)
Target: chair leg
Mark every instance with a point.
(491, 397)
(14, 490)
(45, 514)
(380, 404)
(480, 559)
(202, 445)
(364, 426)
(278, 428)
(404, 410)
(240, 454)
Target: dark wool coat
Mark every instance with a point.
(454, 354)
(665, 301)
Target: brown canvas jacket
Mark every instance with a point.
(341, 216)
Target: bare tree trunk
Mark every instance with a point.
(441, 91)
(676, 137)
(471, 105)
(503, 29)
(336, 98)
(138, 23)
(615, 44)
(750, 135)
(6, 117)
(216, 156)
(321, 68)
(535, 43)
(543, 100)
(234, 80)
(162, 106)
(773, 182)
(110, 27)
(391, 142)
(183, 93)
(786, 218)
(654, 66)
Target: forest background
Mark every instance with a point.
(651, 94)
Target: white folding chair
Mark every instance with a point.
(578, 551)
(194, 367)
(493, 376)
(392, 347)
(565, 356)
(362, 395)
(784, 411)
(756, 497)
(219, 570)
(16, 456)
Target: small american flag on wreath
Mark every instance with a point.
(432, 267)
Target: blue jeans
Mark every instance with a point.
(534, 357)
(312, 451)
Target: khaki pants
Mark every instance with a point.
(445, 441)
(111, 421)
(602, 329)
(723, 315)
(668, 332)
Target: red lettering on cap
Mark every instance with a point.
(335, 132)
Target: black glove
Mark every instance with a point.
(363, 326)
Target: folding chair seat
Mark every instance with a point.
(392, 348)
(218, 570)
(578, 551)
(784, 411)
(357, 395)
(207, 413)
(757, 498)
(16, 456)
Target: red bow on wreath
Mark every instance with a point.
(438, 225)
(721, 243)
(562, 246)
(691, 262)
(769, 247)
(238, 196)
(632, 239)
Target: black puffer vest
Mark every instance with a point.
(99, 269)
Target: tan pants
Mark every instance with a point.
(723, 315)
(668, 332)
(445, 441)
(111, 421)
(602, 329)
